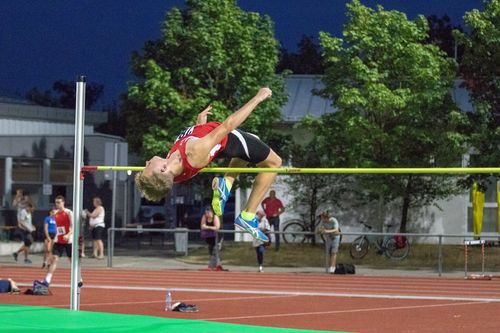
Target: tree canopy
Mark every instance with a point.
(307, 60)
(392, 91)
(65, 93)
(481, 72)
(211, 52)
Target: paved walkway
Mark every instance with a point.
(177, 263)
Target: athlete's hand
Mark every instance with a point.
(202, 116)
(264, 93)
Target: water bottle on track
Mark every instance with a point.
(168, 301)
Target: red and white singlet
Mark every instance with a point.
(63, 224)
(194, 132)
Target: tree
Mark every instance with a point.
(116, 124)
(481, 72)
(307, 61)
(313, 191)
(441, 35)
(395, 110)
(65, 95)
(210, 53)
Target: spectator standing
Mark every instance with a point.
(273, 207)
(209, 225)
(49, 231)
(331, 229)
(64, 224)
(260, 246)
(21, 199)
(97, 227)
(25, 223)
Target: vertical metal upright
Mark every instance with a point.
(77, 191)
(113, 200)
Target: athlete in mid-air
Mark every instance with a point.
(198, 145)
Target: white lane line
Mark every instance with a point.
(187, 300)
(339, 311)
(290, 293)
(490, 292)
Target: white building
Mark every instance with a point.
(36, 155)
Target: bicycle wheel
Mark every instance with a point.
(294, 226)
(359, 247)
(392, 251)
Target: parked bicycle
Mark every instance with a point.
(395, 247)
(297, 225)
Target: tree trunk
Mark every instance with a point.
(406, 206)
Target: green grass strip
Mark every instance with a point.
(20, 318)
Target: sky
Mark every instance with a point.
(45, 41)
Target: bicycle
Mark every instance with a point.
(395, 247)
(297, 225)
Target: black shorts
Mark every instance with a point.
(97, 233)
(27, 238)
(59, 248)
(245, 146)
(52, 235)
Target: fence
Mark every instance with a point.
(433, 252)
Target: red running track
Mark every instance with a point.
(292, 300)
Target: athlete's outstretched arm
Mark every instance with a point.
(234, 120)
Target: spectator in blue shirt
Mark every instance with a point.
(49, 231)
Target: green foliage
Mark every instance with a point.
(313, 193)
(481, 71)
(210, 53)
(307, 60)
(441, 35)
(395, 109)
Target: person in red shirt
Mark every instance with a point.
(273, 207)
(64, 233)
(198, 145)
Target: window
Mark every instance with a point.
(27, 170)
(61, 172)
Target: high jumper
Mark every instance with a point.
(198, 145)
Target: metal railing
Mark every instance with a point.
(439, 237)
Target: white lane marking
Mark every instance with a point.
(290, 293)
(186, 300)
(340, 311)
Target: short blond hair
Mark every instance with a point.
(156, 186)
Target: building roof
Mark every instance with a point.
(302, 101)
(44, 113)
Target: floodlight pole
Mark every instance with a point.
(77, 191)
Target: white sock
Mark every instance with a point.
(332, 269)
(48, 278)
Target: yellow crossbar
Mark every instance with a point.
(286, 170)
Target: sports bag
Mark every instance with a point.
(345, 269)
(39, 289)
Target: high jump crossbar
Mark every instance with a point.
(289, 170)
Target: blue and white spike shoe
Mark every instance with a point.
(221, 195)
(251, 227)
